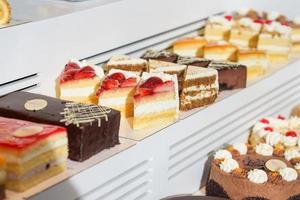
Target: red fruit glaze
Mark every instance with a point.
(281, 117)
(164, 87)
(85, 72)
(291, 134)
(71, 65)
(264, 121)
(259, 21)
(110, 84)
(152, 82)
(145, 91)
(130, 82)
(268, 129)
(118, 76)
(228, 17)
(8, 126)
(285, 24)
(268, 21)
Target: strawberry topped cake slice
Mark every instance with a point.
(117, 91)
(156, 101)
(79, 81)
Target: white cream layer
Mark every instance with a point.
(77, 92)
(112, 101)
(168, 68)
(200, 72)
(200, 87)
(154, 107)
(51, 145)
(201, 95)
(274, 48)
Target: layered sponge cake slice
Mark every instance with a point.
(189, 46)
(218, 28)
(156, 101)
(117, 91)
(34, 152)
(79, 82)
(200, 88)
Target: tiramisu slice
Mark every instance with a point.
(163, 55)
(187, 60)
(256, 62)
(168, 68)
(200, 88)
(221, 51)
(218, 28)
(189, 46)
(79, 82)
(34, 152)
(276, 40)
(117, 91)
(156, 101)
(244, 33)
(230, 75)
(127, 63)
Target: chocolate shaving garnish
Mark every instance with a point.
(294, 161)
(78, 113)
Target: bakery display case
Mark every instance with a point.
(162, 160)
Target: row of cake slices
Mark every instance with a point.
(39, 133)
(269, 161)
(150, 89)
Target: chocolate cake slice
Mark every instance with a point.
(91, 128)
(199, 62)
(166, 56)
(231, 75)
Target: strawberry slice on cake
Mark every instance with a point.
(117, 91)
(79, 82)
(156, 101)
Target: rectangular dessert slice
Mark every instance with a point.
(34, 152)
(163, 55)
(117, 91)
(168, 68)
(91, 128)
(127, 63)
(200, 87)
(187, 60)
(256, 62)
(230, 75)
(218, 28)
(276, 40)
(189, 46)
(220, 51)
(2, 176)
(156, 102)
(79, 82)
(244, 33)
(295, 37)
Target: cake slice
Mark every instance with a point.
(156, 101)
(218, 28)
(187, 60)
(276, 40)
(91, 128)
(168, 68)
(79, 82)
(34, 152)
(189, 46)
(2, 176)
(295, 37)
(244, 33)
(230, 75)
(163, 55)
(5, 12)
(256, 62)
(200, 87)
(117, 91)
(123, 62)
(220, 51)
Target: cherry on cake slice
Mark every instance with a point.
(156, 101)
(117, 91)
(136, 65)
(34, 152)
(79, 82)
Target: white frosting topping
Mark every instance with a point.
(289, 154)
(262, 132)
(289, 141)
(273, 138)
(98, 70)
(278, 123)
(264, 149)
(241, 148)
(258, 126)
(297, 166)
(243, 11)
(277, 27)
(228, 165)
(297, 20)
(273, 15)
(222, 154)
(248, 22)
(288, 174)
(221, 20)
(73, 60)
(257, 176)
